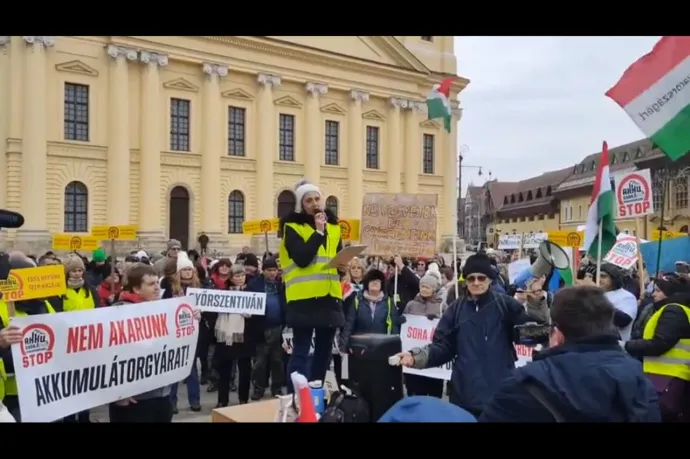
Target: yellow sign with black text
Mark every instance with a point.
(74, 242)
(117, 233)
(32, 283)
(260, 226)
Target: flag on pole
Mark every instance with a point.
(601, 211)
(438, 102)
(655, 93)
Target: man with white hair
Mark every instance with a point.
(311, 238)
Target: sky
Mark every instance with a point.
(537, 104)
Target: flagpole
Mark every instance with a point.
(601, 226)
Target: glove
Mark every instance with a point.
(431, 316)
(402, 320)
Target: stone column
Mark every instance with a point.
(315, 151)
(450, 177)
(394, 158)
(355, 155)
(34, 233)
(151, 228)
(118, 135)
(413, 148)
(5, 78)
(211, 200)
(266, 146)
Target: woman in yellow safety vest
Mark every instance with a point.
(12, 335)
(665, 347)
(79, 295)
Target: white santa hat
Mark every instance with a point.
(183, 261)
(302, 188)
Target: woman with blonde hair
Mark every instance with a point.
(355, 271)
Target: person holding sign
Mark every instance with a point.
(311, 239)
(10, 334)
(477, 334)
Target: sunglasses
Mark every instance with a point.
(479, 278)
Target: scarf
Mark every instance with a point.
(230, 327)
(218, 282)
(75, 283)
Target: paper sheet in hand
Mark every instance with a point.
(345, 255)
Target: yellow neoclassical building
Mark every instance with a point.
(184, 135)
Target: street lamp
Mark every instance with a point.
(464, 149)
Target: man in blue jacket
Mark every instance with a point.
(269, 353)
(584, 376)
(476, 332)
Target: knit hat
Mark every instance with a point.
(251, 260)
(432, 278)
(302, 188)
(614, 272)
(183, 262)
(73, 263)
(372, 275)
(671, 285)
(478, 263)
(423, 408)
(269, 263)
(174, 244)
(98, 256)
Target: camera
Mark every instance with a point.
(532, 333)
(8, 219)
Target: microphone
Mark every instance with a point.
(9, 219)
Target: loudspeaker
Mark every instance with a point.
(379, 384)
(551, 255)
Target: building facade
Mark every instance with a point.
(184, 135)
(473, 231)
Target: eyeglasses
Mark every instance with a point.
(479, 278)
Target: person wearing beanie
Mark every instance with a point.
(427, 303)
(611, 280)
(425, 409)
(251, 266)
(184, 278)
(268, 360)
(111, 286)
(94, 268)
(408, 283)
(372, 311)
(310, 240)
(11, 334)
(173, 247)
(476, 333)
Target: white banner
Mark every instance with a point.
(532, 240)
(74, 361)
(229, 301)
(418, 331)
(287, 342)
(633, 194)
(509, 241)
(624, 253)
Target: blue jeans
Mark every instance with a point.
(193, 388)
(301, 344)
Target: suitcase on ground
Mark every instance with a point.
(379, 383)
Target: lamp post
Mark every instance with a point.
(661, 180)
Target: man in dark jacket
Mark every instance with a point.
(476, 333)
(310, 240)
(408, 284)
(584, 376)
(269, 352)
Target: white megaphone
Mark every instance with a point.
(551, 255)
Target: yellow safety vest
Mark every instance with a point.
(675, 362)
(10, 382)
(3, 380)
(76, 300)
(389, 319)
(314, 281)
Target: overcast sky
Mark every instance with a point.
(536, 104)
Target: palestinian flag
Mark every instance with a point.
(655, 93)
(438, 102)
(601, 211)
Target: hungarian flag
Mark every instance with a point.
(601, 211)
(438, 102)
(655, 93)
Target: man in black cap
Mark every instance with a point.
(476, 333)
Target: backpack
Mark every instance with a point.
(344, 407)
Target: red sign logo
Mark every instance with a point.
(37, 344)
(633, 195)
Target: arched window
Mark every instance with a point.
(286, 203)
(235, 212)
(332, 204)
(76, 208)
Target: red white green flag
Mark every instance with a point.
(600, 223)
(438, 102)
(655, 93)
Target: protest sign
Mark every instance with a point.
(624, 253)
(524, 353)
(116, 233)
(261, 226)
(349, 229)
(229, 301)
(516, 267)
(72, 362)
(567, 238)
(633, 194)
(399, 224)
(418, 331)
(288, 346)
(31, 283)
(74, 242)
(532, 240)
(509, 241)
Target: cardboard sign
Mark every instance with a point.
(624, 253)
(532, 240)
(567, 238)
(74, 242)
(399, 224)
(633, 194)
(349, 229)
(269, 225)
(32, 283)
(70, 362)
(117, 233)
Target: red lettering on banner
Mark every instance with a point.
(84, 338)
(138, 329)
(417, 333)
(523, 351)
(638, 208)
